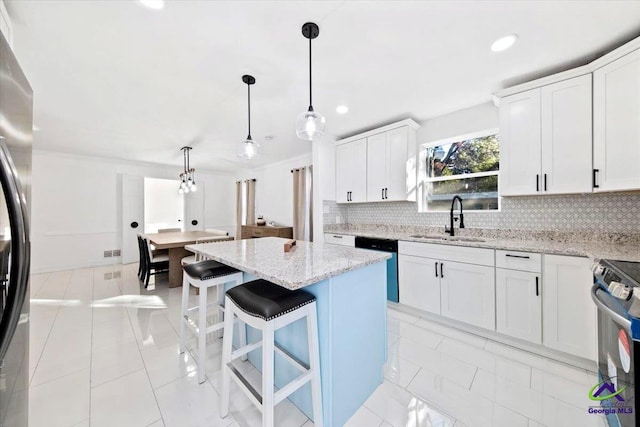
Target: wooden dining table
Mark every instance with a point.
(175, 242)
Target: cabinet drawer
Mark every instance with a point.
(524, 261)
(444, 252)
(340, 239)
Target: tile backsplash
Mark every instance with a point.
(603, 212)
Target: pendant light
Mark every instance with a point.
(310, 124)
(248, 148)
(188, 175)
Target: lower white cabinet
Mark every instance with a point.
(468, 293)
(460, 291)
(418, 285)
(519, 304)
(570, 317)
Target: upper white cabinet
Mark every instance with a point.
(566, 136)
(520, 143)
(616, 124)
(570, 317)
(351, 172)
(546, 139)
(382, 168)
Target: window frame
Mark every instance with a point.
(424, 180)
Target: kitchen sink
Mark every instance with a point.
(466, 239)
(432, 237)
(448, 238)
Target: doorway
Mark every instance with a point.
(163, 206)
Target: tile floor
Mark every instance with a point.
(103, 352)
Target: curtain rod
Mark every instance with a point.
(246, 180)
(302, 168)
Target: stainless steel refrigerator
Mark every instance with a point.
(16, 123)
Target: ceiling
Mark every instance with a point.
(116, 79)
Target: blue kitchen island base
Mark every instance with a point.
(352, 324)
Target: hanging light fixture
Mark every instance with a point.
(248, 148)
(310, 124)
(188, 175)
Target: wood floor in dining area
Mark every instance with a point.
(104, 352)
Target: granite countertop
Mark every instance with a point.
(592, 245)
(306, 264)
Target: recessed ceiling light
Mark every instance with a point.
(504, 43)
(342, 109)
(153, 4)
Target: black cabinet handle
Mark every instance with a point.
(338, 237)
(441, 271)
(595, 178)
(518, 256)
(382, 194)
(537, 182)
(386, 193)
(134, 224)
(545, 182)
(537, 286)
(436, 263)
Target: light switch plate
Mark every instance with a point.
(116, 252)
(108, 254)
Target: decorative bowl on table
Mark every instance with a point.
(261, 221)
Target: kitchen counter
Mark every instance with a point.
(306, 264)
(592, 245)
(351, 296)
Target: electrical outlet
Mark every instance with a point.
(116, 252)
(108, 276)
(108, 254)
(338, 219)
(116, 274)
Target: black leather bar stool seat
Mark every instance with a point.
(205, 270)
(266, 300)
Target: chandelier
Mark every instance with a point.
(188, 175)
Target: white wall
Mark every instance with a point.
(324, 178)
(76, 211)
(473, 119)
(274, 188)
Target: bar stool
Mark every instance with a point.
(203, 275)
(268, 307)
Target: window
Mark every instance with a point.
(467, 165)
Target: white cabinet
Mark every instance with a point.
(616, 125)
(468, 293)
(519, 304)
(351, 172)
(418, 285)
(387, 155)
(340, 239)
(567, 136)
(520, 153)
(381, 168)
(546, 139)
(569, 321)
(432, 278)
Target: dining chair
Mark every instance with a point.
(169, 230)
(142, 258)
(154, 264)
(197, 257)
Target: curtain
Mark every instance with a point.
(302, 204)
(251, 201)
(238, 210)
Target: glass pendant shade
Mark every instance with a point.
(310, 125)
(188, 175)
(248, 149)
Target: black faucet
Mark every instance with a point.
(452, 218)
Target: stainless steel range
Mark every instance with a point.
(616, 292)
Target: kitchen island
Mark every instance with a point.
(350, 287)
